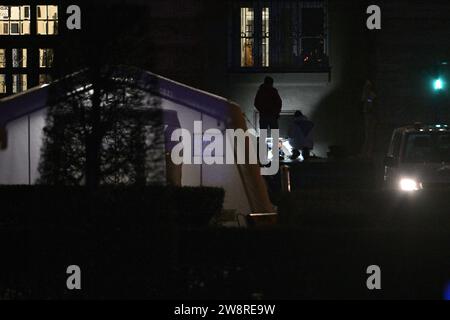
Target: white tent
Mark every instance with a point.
(22, 119)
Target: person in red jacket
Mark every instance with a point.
(268, 103)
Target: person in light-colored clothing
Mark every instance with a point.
(300, 136)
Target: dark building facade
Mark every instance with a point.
(315, 50)
(319, 52)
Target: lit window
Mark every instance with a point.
(281, 35)
(265, 37)
(2, 83)
(45, 58)
(44, 79)
(247, 37)
(19, 58)
(19, 83)
(14, 20)
(47, 20)
(2, 58)
(312, 40)
(248, 41)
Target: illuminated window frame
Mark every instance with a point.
(46, 58)
(23, 22)
(2, 83)
(247, 37)
(2, 58)
(44, 79)
(19, 57)
(265, 37)
(254, 36)
(19, 82)
(288, 36)
(42, 17)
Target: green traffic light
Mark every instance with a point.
(438, 84)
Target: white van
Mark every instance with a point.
(418, 158)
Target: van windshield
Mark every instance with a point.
(427, 147)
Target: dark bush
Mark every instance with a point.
(121, 207)
(124, 238)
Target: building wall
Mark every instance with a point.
(192, 47)
(187, 40)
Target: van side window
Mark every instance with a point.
(396, 143)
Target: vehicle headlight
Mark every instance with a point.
(408, 184)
